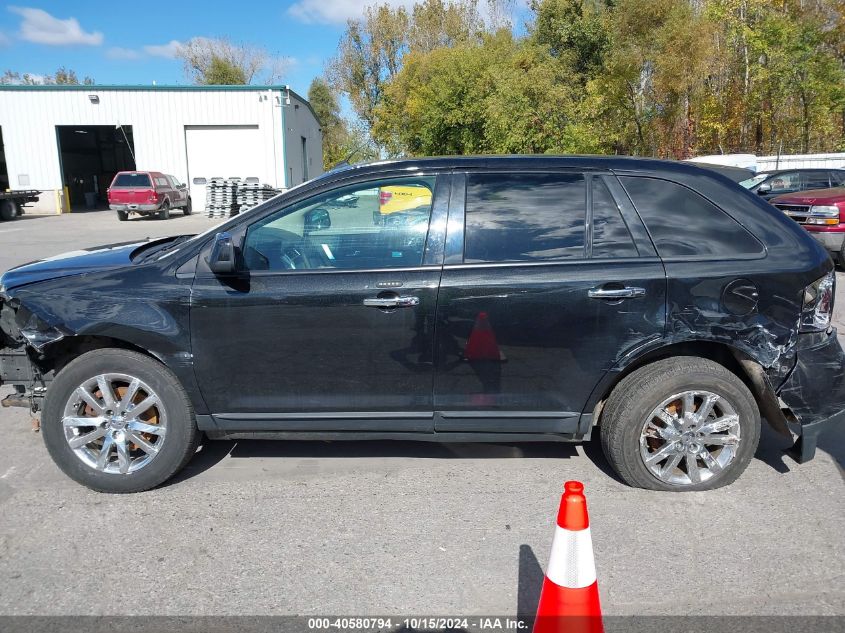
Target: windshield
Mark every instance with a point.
(756, 180)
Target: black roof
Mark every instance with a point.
(523, 161)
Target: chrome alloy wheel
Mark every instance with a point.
(690, 437)
(115, 423)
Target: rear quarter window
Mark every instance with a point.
(131, 180)
(682, 223)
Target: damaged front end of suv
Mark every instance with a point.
(27, 362)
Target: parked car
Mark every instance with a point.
(822, 213)
(770, 184)
(541, 299)
(147, 193)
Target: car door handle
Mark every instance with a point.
(616, 293)
(392, 302)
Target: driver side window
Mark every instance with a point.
(379, 224)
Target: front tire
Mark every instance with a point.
(187, 210)
(118, 421)
(682, 423)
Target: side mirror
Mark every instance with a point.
(222, 258)
(316, 220)
(763, 189)
(182, 185)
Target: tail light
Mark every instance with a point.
(818, 304)
(153, 196)
(384, 197)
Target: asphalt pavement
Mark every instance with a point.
(397, 528)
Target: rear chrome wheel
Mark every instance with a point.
(115, 423)
(680, 423)
(690, 437)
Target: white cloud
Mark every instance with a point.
(5, 40)
(336, 11)
(169, 50)
(42, 28)
(117, 52)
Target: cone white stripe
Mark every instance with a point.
(571, 563)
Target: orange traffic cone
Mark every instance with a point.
(482, 344)
(569, 600)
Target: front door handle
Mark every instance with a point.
(616, 293)
(392, 302)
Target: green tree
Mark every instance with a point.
(62, 76)
(498, 96)
(336, 136)
(575, 30)
(220, 62)
(373, 48)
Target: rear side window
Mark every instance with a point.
(161, 181)
(815, 180)
(524, 217)
(683, 223)
(131, 180)
(611, 237)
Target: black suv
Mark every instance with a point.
(769, 184)
(514, 299)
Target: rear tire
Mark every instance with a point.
(632, 434)
(164, 211)
(174, 446)
(187, 210)
(8, 210)
(122, 216)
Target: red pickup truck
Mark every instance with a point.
(147, 193)
(822, 213)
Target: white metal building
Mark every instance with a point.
(71, 140)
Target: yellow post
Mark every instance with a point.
(67, 200)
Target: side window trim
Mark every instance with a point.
(456, 224)
(642, 239)
(588, 216)
(435, 239)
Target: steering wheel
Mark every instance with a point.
(294, 258)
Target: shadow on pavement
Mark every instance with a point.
(529, 583)
(212, 452)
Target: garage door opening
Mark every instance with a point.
(222, 151)
(90, 157)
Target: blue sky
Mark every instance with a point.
(133, 43)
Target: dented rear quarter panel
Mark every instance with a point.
(696, 311)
